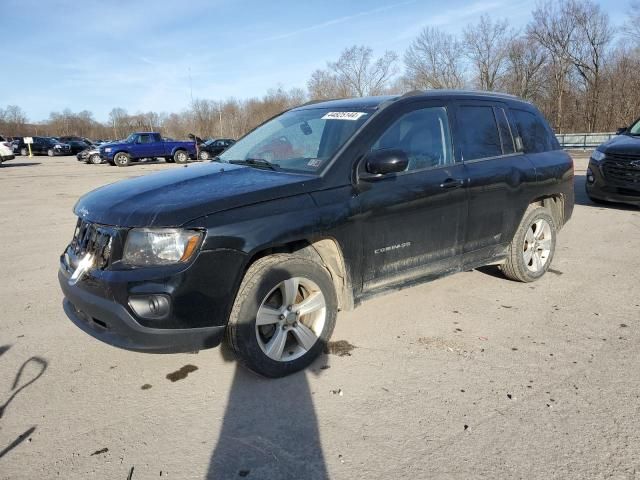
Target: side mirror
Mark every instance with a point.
(383, 162)
(621, 130)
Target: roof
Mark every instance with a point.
(374, 102)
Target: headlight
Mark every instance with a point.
(163, 246)
(597, 155)
(107, 149)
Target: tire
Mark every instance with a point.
(285, 342)
(204, 155)
(121, 159)
(50, 152)
(24, 152)
(94, 159)
(532, 248)
(180, 156)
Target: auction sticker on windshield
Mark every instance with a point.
(343, 115)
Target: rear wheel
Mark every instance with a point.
(24, 152)
(283, 315)
(181, 156)
(532, 248)
(122, 159)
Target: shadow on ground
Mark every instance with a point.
(18, 386)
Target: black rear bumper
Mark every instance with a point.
(111, 323)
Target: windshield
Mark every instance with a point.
(300, 140)
(635, 128)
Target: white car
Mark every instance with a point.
(6, 153)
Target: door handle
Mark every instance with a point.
(452, 183)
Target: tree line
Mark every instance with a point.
(577, 67)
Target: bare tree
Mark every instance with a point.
(324, 85)
(487, 45)
(632, 26)
(588, 49)
(524, 74)
(434, 61)
(12, 120)
(360, 74)
(554, 31)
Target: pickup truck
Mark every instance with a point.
(317, 210)
(147, 145)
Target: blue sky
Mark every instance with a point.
(147, 55)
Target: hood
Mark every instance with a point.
(622, 144)
(176, 196)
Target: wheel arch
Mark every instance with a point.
(554, 203)
(324, 250)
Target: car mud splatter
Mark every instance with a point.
(341, 348)
(182, 373)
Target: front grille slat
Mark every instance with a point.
(622, 169)
(94, 239)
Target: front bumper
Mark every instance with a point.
(112, 323)
(601, 189)
(4, 158)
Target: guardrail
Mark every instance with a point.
(582, 140)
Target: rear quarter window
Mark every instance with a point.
(536, 137)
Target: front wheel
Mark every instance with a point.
(24, 152)
(95, 159)
(283, 315)
(204, 155)
(122, 159)
(532, 248)
(181, 156)
(50, 152)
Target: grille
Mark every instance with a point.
(95, 239)
(622, 169)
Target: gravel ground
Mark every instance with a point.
(471, 376)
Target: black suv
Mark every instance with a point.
(213, 147)
(313, 212)
(614, 168)
(44, 146)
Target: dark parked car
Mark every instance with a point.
(313, 212)
(44, 146)
(614, 168)
(90, 155)
(77, 146)
(214, 147)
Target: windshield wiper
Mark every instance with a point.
(256, 162)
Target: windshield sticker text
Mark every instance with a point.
(343, 115)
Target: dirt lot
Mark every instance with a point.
(471, 376)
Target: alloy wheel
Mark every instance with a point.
(290, 319)
(537, 245)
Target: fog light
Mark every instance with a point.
(154, 307)
(590, 178)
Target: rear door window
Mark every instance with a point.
(479, 137)
(535, 137)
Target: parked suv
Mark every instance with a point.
(614, 168)
(313, 212)
(214, 147)
(45, 146)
